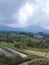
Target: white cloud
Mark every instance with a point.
(46, 8)
(35, 13)
(46, 27)
(16, 13)
(25, 12)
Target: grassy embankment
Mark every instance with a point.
(11, 60)
(28, 48)
(31, 56)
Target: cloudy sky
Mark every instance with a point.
(22, 13)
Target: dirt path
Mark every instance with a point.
(43, 54)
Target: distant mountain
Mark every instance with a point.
(33, 28)
(7, 28)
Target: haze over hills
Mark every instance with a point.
(35, 29)
(31, 28)
(18, 14)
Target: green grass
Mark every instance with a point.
(34, 58)
(30, 56)
(26, 63)
(36, 49)
(11, 46)
(11, 60)
(29, 48)
(39, 49)
(19, 49)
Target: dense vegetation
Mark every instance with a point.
(40, 62)
(23, 40)
(11, 60)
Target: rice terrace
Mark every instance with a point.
(24, 32)
(23, 48)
